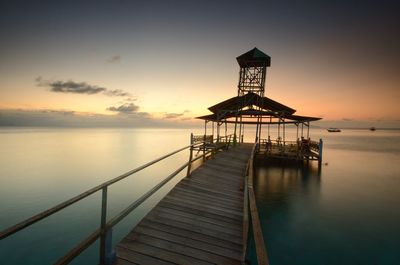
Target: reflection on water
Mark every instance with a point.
(278, 182)
(41, 167)
(345, 214)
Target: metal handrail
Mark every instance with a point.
(250, 204)
(93, 237)
(105, 226)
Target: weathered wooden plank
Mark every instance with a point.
(226, 188)
(210, 220)
(210, 174)
(159, 253)
(210, 190)
(199, 221)
(195, 224)
(206, 185)
(204, 199)
(178, 238)
(238, 213)
(132, 257)
(182, 249)
(199, 229)
(224, 168)
(234, 164)
(210, 240)
(211, 196)
(204, 212)
(230, 181)
(219, 164)
(225, 180)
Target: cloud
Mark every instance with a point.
(125, 108)
(114, 59)
(79, 88)
(69, 118)
(172, 115)
(177, 115)
(62, 112)
(117, 93)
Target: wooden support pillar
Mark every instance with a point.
(284, 133)
(279, 128)
(218, 124)
(190, 156)
(212, 140)
(240, 130)
(259, 133)
(320, 147)
(257, 126)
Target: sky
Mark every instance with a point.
(162, 63)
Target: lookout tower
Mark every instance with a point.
(253, 70)
(252, 108)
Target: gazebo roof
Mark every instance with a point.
(250, 99)
(289, 118)
(243, 106)
(254, 58)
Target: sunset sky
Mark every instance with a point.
(155, 63)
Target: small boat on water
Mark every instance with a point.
(333, 130)
(372, 129)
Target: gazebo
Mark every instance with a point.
(251, 107)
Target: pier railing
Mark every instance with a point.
(104, 232)
(251, 217)
(300, 149)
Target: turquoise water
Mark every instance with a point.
(346, 213)
(40, 168)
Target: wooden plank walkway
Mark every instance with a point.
(200, 221)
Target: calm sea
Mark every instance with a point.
(345, 214)
(40, 168)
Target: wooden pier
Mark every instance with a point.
(209, 217)
(200, 221)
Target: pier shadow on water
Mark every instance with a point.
(286, 192)
(346, 213)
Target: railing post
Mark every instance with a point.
(320, 146)
(204, 148)
(107, 254)
(190, 155)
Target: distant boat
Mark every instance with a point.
(372, 129)
(334, 130)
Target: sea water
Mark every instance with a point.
(41, 167)
(345, 213)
